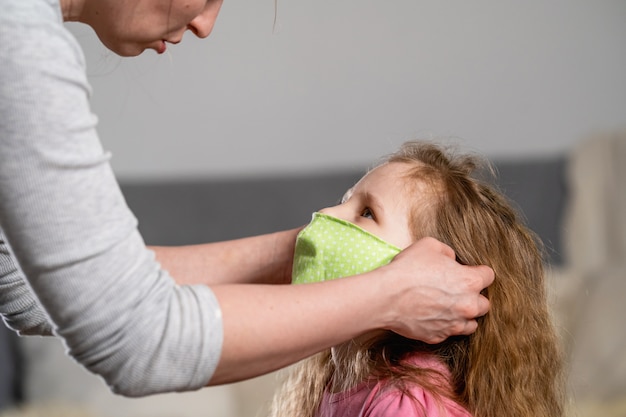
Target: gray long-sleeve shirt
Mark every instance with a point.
(71, 233)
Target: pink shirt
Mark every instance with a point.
(374, 399)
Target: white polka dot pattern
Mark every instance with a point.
(330, 248)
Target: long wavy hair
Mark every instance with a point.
(512, 365)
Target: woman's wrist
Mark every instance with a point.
(383, 299)
(264, 259)
(279, 261)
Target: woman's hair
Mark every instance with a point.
(511, 366)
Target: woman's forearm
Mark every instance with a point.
(271, 326)
(264, 259)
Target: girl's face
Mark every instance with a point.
(379, 203)
(130, 27)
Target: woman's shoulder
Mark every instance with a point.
(31, 11)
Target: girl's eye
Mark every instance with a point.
(367, 213)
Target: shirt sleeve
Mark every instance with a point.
(70, 230)
(19, 307)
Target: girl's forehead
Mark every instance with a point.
(384, 179)
(386, 173)
(396, 181)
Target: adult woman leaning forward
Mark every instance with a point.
(73, 264)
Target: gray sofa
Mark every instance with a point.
(193, 212)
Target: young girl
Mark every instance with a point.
(509, 367)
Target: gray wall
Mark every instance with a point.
(337, 83)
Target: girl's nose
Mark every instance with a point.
(202, 25)
(335, 211)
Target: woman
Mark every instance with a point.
(67, 226)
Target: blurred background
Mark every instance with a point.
(334, 84)
(287, 103)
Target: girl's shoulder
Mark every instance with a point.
(413, 400)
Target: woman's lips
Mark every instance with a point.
(161, 47)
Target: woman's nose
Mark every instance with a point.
(202, 25)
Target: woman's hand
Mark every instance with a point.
(431, 296)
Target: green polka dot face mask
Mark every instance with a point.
(330, 248)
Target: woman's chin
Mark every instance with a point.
(131, 49)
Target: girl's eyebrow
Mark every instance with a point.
(374, 202)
